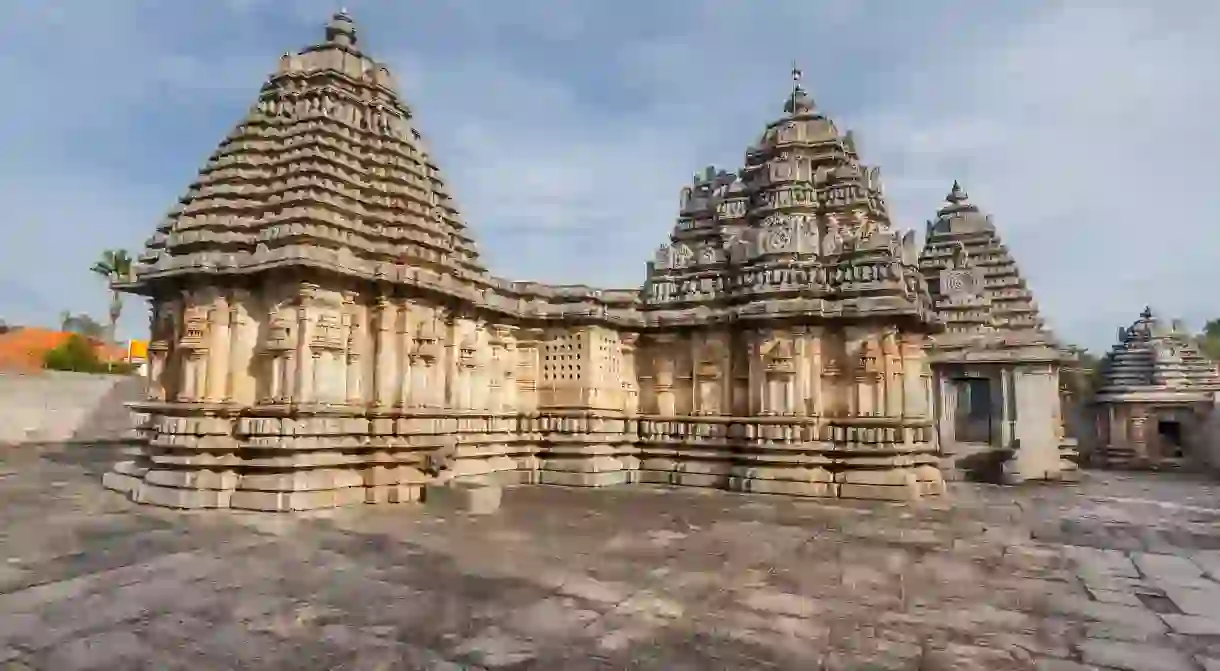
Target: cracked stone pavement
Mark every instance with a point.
(1120, 572)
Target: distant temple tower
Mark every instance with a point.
(323, 332)
(996, 367)
(1156, 399)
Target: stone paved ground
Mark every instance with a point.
(1120, 572)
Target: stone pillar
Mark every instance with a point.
(663, 368)
(1008, 419)
(892, 374)
(218, 351)
(157, 354)
(814, 354)
(383, 372)
(402, 395)
(305, 354)
(353, 384)
(449, 358)
(631, 384)
(916, 393)
(289, 369)
(237, 339)
(1038, 452)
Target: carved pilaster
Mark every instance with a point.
(353, 393)
(304, 390)
(815, 398)
(630, 381)
(219, 318)
(406, 342)
(663, 372)
(383, 372)
(892, 403)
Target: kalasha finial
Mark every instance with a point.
(341, 28)
(1147, 313)
(799, 102)
(957, 194)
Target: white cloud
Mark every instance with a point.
(566, 129)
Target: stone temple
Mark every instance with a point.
(1155, 403)
(323, 332)
(996, 367)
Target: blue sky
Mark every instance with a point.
(567, 127)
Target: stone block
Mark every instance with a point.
(475, 498)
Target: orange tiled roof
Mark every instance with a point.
(23, 349)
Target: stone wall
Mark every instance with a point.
(55, 406)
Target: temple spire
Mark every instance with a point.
(957, 194)
(341, 29)
(798, 102)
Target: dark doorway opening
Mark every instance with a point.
(1170, 432)
(973, 412)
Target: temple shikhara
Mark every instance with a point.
(999, 412)
(323, 331)
(1156, 399)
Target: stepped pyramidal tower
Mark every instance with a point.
(1156, 398)
(323, 332)
(996, 366)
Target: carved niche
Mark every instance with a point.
(960, 280)
(425, 347)
(832, 243)
(279, 333)
(195, 330)
(710, 361)
(328, 332)
(779, 355)
(467, 351)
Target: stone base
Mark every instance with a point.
(271, 463)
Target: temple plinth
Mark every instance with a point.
(324, 333)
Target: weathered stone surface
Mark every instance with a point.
(1192, 625)
(656, 577)
(468, 497)
(1134, 656)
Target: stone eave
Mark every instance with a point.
(1152, 395)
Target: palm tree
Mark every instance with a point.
(115, 266)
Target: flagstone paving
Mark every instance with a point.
(1121, 572)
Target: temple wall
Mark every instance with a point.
(367, 397)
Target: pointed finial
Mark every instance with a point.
(957, 194)
(341, 29)
(1147, 313)
(799, 102)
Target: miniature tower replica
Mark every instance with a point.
(1155, 403)
(998, 404)
(323, 332)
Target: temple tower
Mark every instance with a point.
(323, 332)
(1155, 404)
(998, 404)
(787, 305)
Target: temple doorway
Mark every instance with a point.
(1170, 433)
(974, 410)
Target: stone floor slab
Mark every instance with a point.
(1058, 579)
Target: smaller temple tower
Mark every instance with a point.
(1156, 400)
(996, 366)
